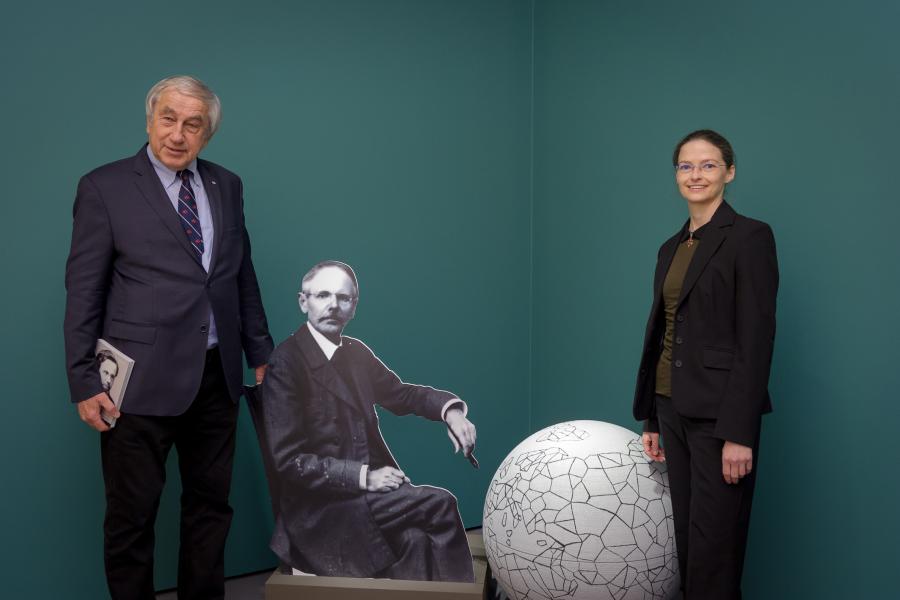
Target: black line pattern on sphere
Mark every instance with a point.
(598, 521)
(564, 432)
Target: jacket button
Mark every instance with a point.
(204, 329)
(678, 340)
(677, 363)
(679, 318)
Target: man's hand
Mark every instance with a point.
(652, 449)
(89, 410)
(460, 430)
(737, 461)
(260, 373)
(385, 479)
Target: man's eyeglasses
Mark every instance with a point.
(705, 167)
(344, 300)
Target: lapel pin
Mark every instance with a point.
(212, 181)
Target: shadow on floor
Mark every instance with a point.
(245, 587)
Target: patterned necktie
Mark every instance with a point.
(187, 210)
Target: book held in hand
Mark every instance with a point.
(115, 370)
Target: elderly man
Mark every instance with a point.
(343, 507)
(160, 267)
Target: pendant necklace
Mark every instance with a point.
(690, 241)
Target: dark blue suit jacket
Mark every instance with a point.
(133, 279)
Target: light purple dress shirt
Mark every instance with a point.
(172, 184)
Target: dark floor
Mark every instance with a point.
(245, 587)
(251, 587)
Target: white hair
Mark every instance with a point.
(189, 86)
(347, 269)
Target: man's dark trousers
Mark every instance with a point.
(134, 468)
(421, 524)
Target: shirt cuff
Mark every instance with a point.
(363, 472)
(452, 402)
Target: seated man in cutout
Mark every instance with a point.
(342, 505)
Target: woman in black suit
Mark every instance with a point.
(702, 383)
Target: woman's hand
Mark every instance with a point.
(737, 461)
(652, 448)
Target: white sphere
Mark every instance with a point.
(578, 511)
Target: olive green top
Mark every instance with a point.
(671, 291)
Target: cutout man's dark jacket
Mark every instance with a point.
(317, 428)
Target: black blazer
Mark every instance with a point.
(724, 328)
(316, 430)
(133, 279)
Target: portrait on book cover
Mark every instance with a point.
(115, 369)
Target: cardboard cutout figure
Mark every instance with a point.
(342, 505)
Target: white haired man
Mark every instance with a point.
(160, 267)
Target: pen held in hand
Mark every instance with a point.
(470, 455)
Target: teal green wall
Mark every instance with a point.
(393, 135)
(408, 138)
(809, 94)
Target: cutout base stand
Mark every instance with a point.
(294, 587)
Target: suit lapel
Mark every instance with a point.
(214, 196)
(713, 237)
(662, 267)
(321, 369)
(359, 379)
(150, 187)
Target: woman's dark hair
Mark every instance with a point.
(714, 138)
